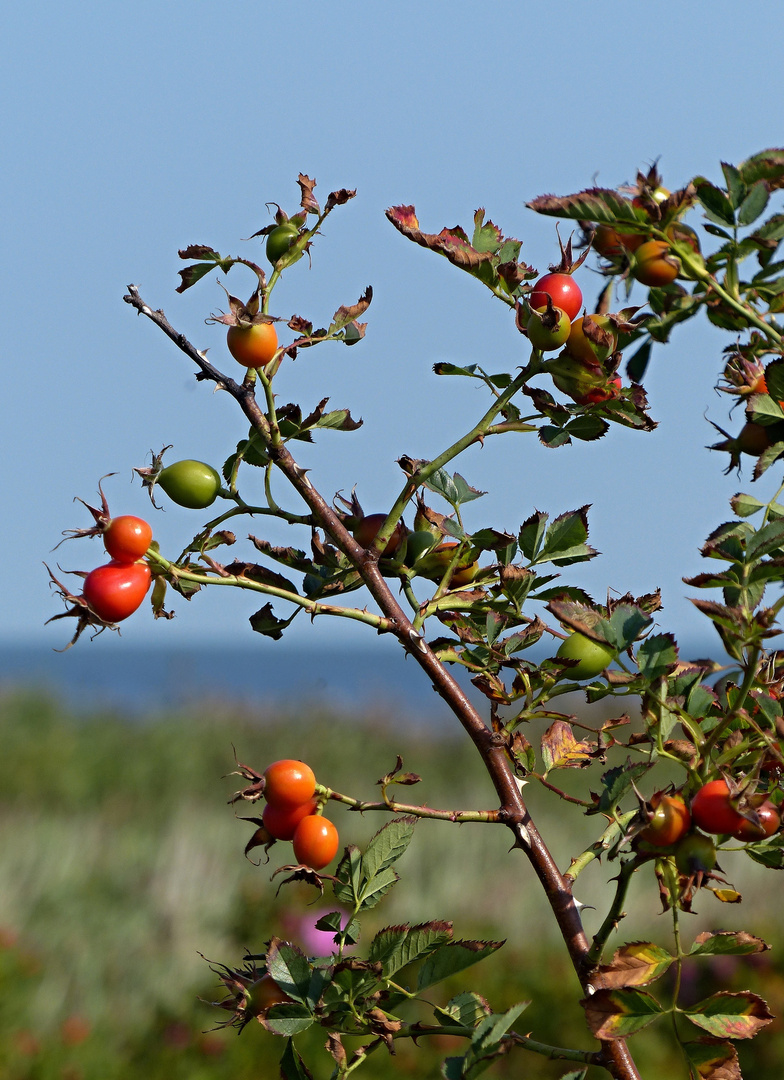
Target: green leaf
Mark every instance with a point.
(714, 231)
(730, 1015)
(339, 420)
(745, 505)
(370, 877)
(290, 969)
(265, 621)
(626, 624)
(466, 1009)
(388, 844)
(531, 535)
(348, 876)
(487, 236)
(657, 656)
(617, 1014)
(493, 540)
(616, 783)
(333, 922)
(764, 409)
(774, 378)
(288, 1019)
(637, 365)
(727, 943)
(251, 451)
(451, 958)
(396, 946)
(352, 334)
(602, 205)
(494, 625)
(766, 540)
(292, 1067)
(564, 541)
(714, 201)
(472, 371)
(714, 581)
(772, 229)
(454, 489)
(587, 427)
(736, 189)
(768, 853)
(486, 1046)
(209, 260)
(768, 165)
(553, 436)
(767, 458)
(700, 701)
(374, 890)
(754, 204)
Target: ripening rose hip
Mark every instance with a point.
(288, 783)
(253, 346)
(592, 657)
(562, 289)
(315, 842)
(116, 590)
(126, 538)
(282, 821)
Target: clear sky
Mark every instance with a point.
(131, 130)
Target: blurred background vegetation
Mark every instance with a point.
(122, 868)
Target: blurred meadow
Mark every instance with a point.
(122, 868)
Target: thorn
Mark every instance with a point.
(581, 906)
(523, 834)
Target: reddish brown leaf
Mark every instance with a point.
(560, 749)
(308, 201)
(712, 1059)
(452, 243)
(731, 1015)
(727, 943)
(338, 198)
(617, 1014)
(635, 964)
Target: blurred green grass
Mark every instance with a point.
(121, 863)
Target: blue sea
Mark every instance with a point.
(139, 681)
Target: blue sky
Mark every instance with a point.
(133, 130)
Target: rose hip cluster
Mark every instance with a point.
(292, 813)
(555, 303)
(116, 589)
(671, 823)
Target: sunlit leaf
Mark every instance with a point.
(617, 1014)
(731, 1015)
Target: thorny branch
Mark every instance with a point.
(491, 745)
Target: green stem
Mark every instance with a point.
(245, 508)
(477, 432)
(775, 499)
(600, 846)
(750, 675)
(616, 912)
(697, 271)
(159, 563)
(676, 990)
(545, 1050)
